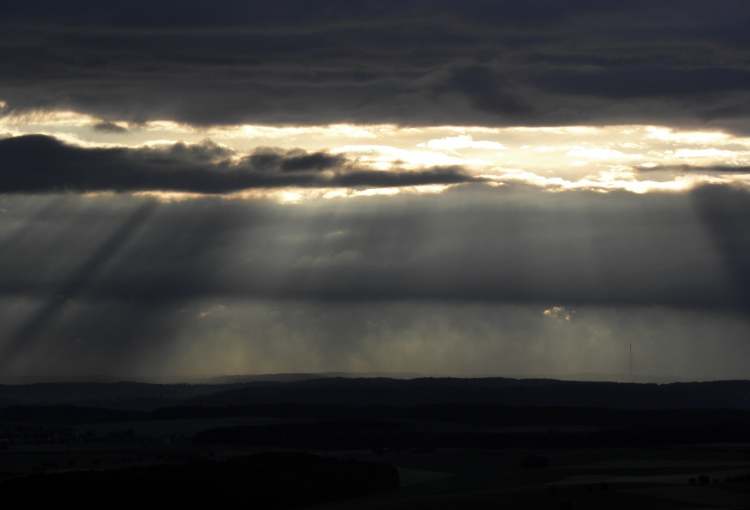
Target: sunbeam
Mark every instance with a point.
(73, 285)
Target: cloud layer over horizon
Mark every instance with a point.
(482, 187)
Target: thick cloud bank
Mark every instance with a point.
(490, 62)
(38, 164)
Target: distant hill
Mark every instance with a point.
(118, 395)
(345, 391)
(492, 391)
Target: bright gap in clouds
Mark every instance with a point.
(636, 158)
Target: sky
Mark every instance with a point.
(421, 187)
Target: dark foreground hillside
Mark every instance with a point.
(342, 443)
(270, 480)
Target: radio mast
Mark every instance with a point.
(630, 361)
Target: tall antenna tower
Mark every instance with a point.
(630, 361)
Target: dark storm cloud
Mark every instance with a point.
(42, 164)
(413, 62)
(486, 91)
(296, 161)
(292, 12)
(109, 127)
(634, 81)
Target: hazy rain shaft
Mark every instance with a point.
(472, 281)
